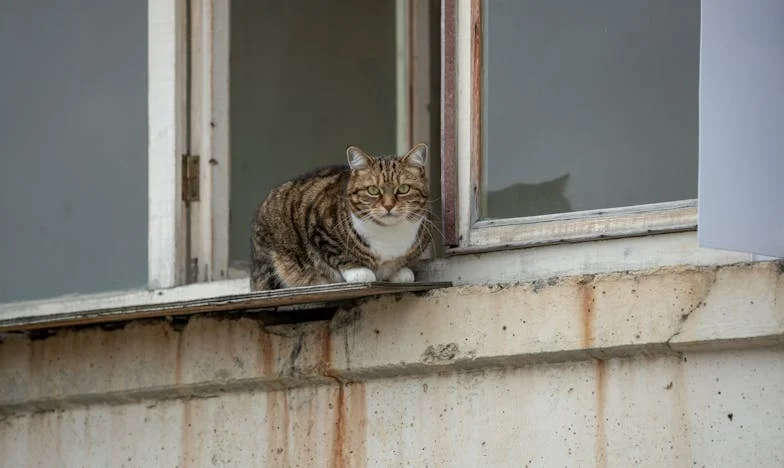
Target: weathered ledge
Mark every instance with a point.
(663, 311)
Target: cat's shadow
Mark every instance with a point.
(521, 199)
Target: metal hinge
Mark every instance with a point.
(190, 178)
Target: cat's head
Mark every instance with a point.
(390, 189)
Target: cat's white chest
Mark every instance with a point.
(387, 242)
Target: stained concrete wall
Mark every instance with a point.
(670, 367)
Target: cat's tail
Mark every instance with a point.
(263, 276)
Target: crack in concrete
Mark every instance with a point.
(698, 304)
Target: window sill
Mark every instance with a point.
(633, 221)
(578, 258)
(103, 309)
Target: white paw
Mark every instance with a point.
(358, 275)
(403, 275)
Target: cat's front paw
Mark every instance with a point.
(403, 275)
(358, 275)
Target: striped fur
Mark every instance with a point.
(343, 223)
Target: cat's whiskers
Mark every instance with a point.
(425, 216)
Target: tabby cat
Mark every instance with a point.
(361, 222)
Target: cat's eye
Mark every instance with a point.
(403, 188)
(373, 190)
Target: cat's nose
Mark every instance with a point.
(388, 205)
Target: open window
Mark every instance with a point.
(280, 88)
(568, 120)
(240, 96)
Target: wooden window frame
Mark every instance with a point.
(461, 158)
(188, 114)
(167, 140)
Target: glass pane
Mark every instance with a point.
(308, 79)
(588, 104)
(73, 143)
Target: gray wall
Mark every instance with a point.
(605, 91)
(73, 146)
(308, 79)
(741, 115)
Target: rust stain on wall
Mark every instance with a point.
(278, 422)
(186, 428)
(357, 424)
(178, 358)
(587, 314)
(340, 429)
(348, 446)
(601, 429)
(326, 351)
(35, 366)
(265, 359)
(682, 409)
(349, 439)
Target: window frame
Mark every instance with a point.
(188, 114)
(167, 235)
(167, 112)
(412, 107)
(461, 153)
(208, 138)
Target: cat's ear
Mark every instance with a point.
(417, 156)
(358, 159)
(560, 182)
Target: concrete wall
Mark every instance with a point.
(670, 367)
(73, 147)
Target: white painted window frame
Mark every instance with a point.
(475, 235)
(168, 140)
(167, 111)
(188, 113)
(209, 139)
